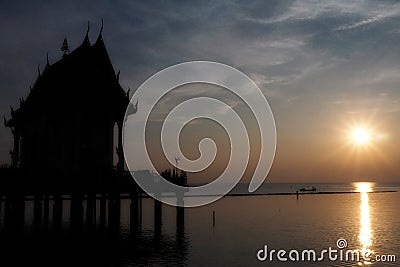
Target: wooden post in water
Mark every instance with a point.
(114, 214)
(180, 212)
(134, 213)
(180, 222)
(140, 209)
(213, 218)
(1, 202)
(157, 215)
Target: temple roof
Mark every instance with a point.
(84, 78)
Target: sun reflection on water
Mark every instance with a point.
(365, 236)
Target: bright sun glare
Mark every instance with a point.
(361, 136)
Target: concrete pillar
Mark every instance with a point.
(103, 209)
(37, 210)
(46, 209)
(57, 211)
(76, 213)
(91, 209)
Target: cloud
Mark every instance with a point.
(384, 13)
(301, 10)
(360, 23)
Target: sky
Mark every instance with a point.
(324, 66)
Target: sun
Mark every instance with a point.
(361, 136)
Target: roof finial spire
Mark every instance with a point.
(117, 76)
(100, 37)
(47, 59)
(88, 27)
(38, 70)
(65, 47)
(86, 40)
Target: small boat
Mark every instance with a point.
(306, 189)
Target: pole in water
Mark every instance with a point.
(213, 218)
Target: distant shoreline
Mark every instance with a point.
(309, 193)
(280, 194)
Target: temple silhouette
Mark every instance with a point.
(64, 131)
(66, 134)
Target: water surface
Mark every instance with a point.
(242, 226)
